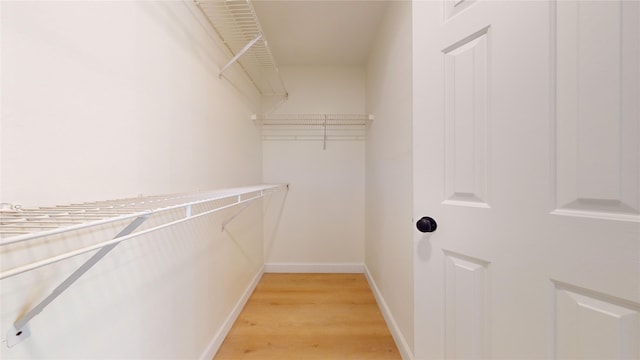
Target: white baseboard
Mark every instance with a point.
(351, 268)
(401, 342)
(219, 337)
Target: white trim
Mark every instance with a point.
(218, 338)
(351, 268)
(401, 343)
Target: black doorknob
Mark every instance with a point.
(426, 224)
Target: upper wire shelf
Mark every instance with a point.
(313, 119)
(237, 25)
(322, 127)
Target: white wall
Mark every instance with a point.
(104, 100)
(389, 153)
(323, 219)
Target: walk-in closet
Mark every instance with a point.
(470, 169)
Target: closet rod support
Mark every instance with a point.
(230, 219)
(224, 224)
(240, 53)
(21, 330)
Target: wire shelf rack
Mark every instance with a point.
(314, 127)
(237, 25)
(18, 225)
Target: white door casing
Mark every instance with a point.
(527, 154)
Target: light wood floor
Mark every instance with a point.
(310, 316)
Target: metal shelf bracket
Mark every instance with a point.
(239, 54)
(226, 222)
(21, 329)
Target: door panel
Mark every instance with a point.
(598, 139)
(591, 325)
(524, 111)
(467, 307)
(466, 112)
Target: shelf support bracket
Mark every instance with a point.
(226, 222)
(246, 205)
(240, 53)
(20, 329)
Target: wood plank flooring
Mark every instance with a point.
(310, 316)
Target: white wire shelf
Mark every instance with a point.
(237, 25)
(314, 127)
(18, 225)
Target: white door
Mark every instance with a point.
(527, 155)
